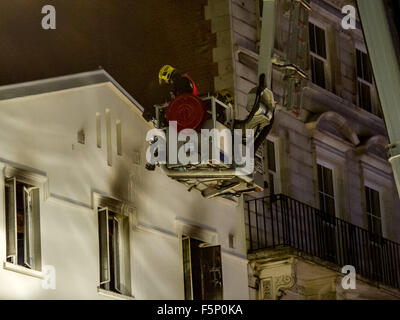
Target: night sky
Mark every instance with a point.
(130, 39)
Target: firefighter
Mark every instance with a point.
(169, 80)
(225, 96)
(181, 83)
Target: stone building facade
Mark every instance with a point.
(330, 157)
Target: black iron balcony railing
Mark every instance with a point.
(279, 220)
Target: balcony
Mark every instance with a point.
(279, 221)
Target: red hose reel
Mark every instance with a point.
(187, 110)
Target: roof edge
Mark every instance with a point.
(53, 84)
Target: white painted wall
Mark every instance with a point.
(40, 132)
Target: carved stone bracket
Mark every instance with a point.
(284, 282)
(275, 278)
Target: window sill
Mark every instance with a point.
(20, 269)
(112, 294)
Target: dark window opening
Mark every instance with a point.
(109, 229)
(326, 191)
(318, 55)
(364, 70)
(317, 40)
(373, 211)
(364, 96)
(202, 270)
(271, 156)
(271, 184)
(365, 84)
(318, 72)
(22, 225)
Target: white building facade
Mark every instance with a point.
(81, 217)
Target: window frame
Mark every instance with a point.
(203, 233)
(333, 169)
(375, 104)
(38, 183)
(372, 214)
(275, 174)
(361, 80)
(314, 55)
(202, 246)
(123, 212)
(381, 208)
(117, 245)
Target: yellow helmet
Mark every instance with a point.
(225, 96)
(165, 73)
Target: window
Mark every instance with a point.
(202, 270)
(271, 165)
(325, 190)
(364, 80)
(373, 211)
(23, 224)
(328, 220)
(317, 54)
(114, 251)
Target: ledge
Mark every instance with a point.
(20, 269)
(112, 294)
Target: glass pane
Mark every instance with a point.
(313, 74)
(322, 203)
(103, 246)
(27, 229)
(319, 72)
(367, 68)
(376, 209)
(359, 64)
(11, 218)
(195, 260)
(364, 96)
(271, 156)
(370, 223)
(378, 226)
(271, 184)
(115, 255)
(368, 199)
(311, 30)
(187, 268)
(320, 39)
(320, 180)
(211, 271)
(330, 205)
(359, 90)
(328, 181)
